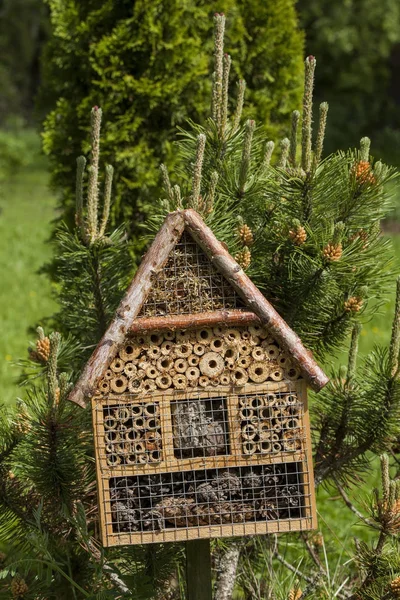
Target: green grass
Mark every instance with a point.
(26, 209)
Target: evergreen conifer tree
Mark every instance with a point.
(307, 230)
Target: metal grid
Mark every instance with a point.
(189, 284)
(203, 483)
(208, 497)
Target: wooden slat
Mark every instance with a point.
(204, 319)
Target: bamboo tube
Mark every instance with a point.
(130, 370)
(217, 345)
(231, 352)
(218, 330)
(132, 435)
(244, 362)
(272, 351)
(154, 352)
(264, 446)
(141, 341)
(151, 372)
(249, 432)
(144, 364)
(258, 353)
(155, 456)
(142, 458)
(129, 352)
(239, 376)
(156, 338)
(276, 447)
(111, 437)
(232, 336)
(271, 399)
(243, 401)
(113, 460)
(117, 365)
(204, 381)
(166, 348)
(246, 335)
(119, 384)
(153, 424)
(265, 413)
(122, 413)
(183, 350)
(165, 363)
(249, 447)
(215, 381)
(136, 410)
(134, 386)
(104, 386)
(180, 381)
(256, 402)
(275, 437)
(150, 409)
(199, 349)
(230, 364)
(291, 399)
(276, 374)
(255, 341)
(293, 423)
(149, 385)
(131, 459)
(211, 364)
(140, 448)
(192, 373)
(284, 361)
(193, 360)
(292, 374)
(169, 335)
(255, 330)
(138, 424)
(244, 348)
(225, 378)
(109, 448)
(246, 413)
(180, 365)
(258, 372)
(110, 422)
(108, 375)
(204, 335)
(152, 440)
(164, 381)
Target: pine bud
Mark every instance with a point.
(353, 304)
(243, 258)
(43, 349)
(395, 587)
(298, 235)
(363, 173)
(295, 594)
(362, 235)
(18, 587)
(332, 252)
(246, 235)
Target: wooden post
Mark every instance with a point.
(198, 570)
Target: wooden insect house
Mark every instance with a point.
(199, 400)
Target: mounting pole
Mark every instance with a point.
(198, 570)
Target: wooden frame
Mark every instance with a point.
(172, 464)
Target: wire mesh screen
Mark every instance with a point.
(189, 283)
(200, 463)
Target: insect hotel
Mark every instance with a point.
(199, 400)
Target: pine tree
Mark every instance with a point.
(307, 230)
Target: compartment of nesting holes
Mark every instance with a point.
(200, 427)
(208, 497)
(270, 423)
(132, 433)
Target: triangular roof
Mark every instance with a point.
(127, 319)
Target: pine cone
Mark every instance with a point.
(243, 258)
(332, 252)
(353, 304)
(18, 587)
(298, 235)
(295, 594)
(246, 235)
(43, 350)
(363, 173)
(395, 587)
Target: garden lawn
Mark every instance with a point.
(26, 210)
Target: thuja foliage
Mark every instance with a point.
(146, 63)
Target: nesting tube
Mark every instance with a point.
(154, 352)
(204, 335)
(183, 350)
(151, 372)
(258, 372)
(292, 374)
(258, 354)
(264, 431)
(104, 386)
(113, 460)
(249, 432)
(271, 351)
(156, 338)
(149, 385)
(169, 335)
(155, 456)
(256, 402)
(249, 447)
(130, 370)
(291, 399)
(129, 352)
(204, 381)
(244, 348)
(117, 365)
(134, 386)
(138, 423)
(164, 381)
(264, 446)
(180, 381)
(244, 362)
(239, 376)
(276, 374)
(276, 447)
(132, 435)
(192, 374)
(122, 413)
(164, 363)
(108, 374)
(131, 459)
(265, 412)
(293, 423)
(232, 335)
(225, 379)
(119, 384)
(217, 345)
(180, 365)
(246, 413)
(153, 423)
(110, 422)
(136, 410)
(193, 360)
(231, 353)
(150, 409)
(199, 349)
